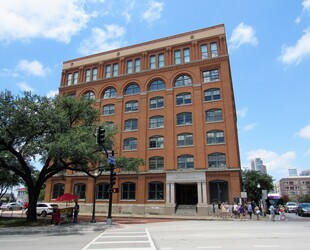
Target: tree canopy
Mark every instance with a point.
(56, 132)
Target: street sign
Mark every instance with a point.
(111, 160)
(244, 195)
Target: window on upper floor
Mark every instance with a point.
(131, 124)
(183, 80)
(186, 55)
(184, 118)
(89, 95)
(156, 102)
(75, 77)
(161, 60)
(215, 137)
(214, 51)
(156, 121)
(69, 79)
(129, 66)
(130, 144)
(210, 75)
(115, 69)
(156, 163)
(128, 191)
(153, 62)
(108, 109)
(94, 74)
(185, 162)
(131, 106)
(87, 75)
(107, 71)
(204, 51)
(156, 191)
(132, 89)
(214, 115)
(217, 160)
(157, 85)
(137, 65)
(183, 99)
(185, 139)
(177, 57)
(156, 142)
(109, 93)
(212, 94)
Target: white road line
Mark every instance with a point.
(150, 239)
(90, 243)
(266, 246)
(123, 236)
(213, 247)
(121, 242)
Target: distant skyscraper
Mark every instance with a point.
(292, 172)
(257, 165)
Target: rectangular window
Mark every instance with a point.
(161, 60)
(129, 66)
(75, 77)
(87, 75)
(214, 51)
(186, 55)
(177, 57)
(137, 65)
(94, 76)
(115, 69)
(152, 62)
(204, 51)
(210, 75)
(107, 71)
(69, 79)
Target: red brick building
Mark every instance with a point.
(173, 102)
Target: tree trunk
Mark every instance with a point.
(32, 206)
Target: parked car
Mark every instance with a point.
(303, 209)
(12, 206)
(44, 209)
(291, 207)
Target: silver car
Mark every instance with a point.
(291, 207)
(44, 209)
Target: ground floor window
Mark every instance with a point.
(79, 190)
(103, 191)
(129, 191)
(156, 191)
(218, 191)
(58, 190)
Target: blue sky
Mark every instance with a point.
(269, 47)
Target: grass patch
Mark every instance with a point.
(22, 222)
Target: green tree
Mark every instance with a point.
(304, 198)
(7, 180)
(251, 179)
(56, 132)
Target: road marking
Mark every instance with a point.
(150, 239)
(266, 246)
(210, 247)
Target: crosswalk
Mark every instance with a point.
(122, 240)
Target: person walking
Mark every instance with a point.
(76, 212)
(250, 210)
(257, 212)
(272, 212)
(282, 215)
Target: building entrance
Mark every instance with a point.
(186, 194)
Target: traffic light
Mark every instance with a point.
(100, 135)
(115, 190)
(113, 179)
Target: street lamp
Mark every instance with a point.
(258, 193)
(95, 176)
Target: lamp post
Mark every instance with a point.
(258, 193)
(93, 219)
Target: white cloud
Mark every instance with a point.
(296, 53)
(51, 19)
(304, 132)
(33, 68)
(103, 39)
(306, 5)
(153, 12)
(277, 164)
(243, 34)
(52, 93)
(250, 126)
(242, 112)
(25, 87)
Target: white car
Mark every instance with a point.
(12, 206)
(291, 207)
(44, 209)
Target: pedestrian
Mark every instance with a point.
(282, 215)
(76, 211)
(272, 212)
(241, 212)
(257, 212)
(250, 210)
(236, 210)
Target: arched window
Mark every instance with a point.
(212, 94)
(185, 161)
(89, 95)
(217, 160)
(103, 191)
(131, 106)
(184, 98)
(215, 137)
(185, 139)
(156, 102)
(131, 124)
(184, 118)
(130, 144)
(132, 89)
(156, 163)
(157, 85)
(128, 191)
(156, 142)
(79, 190)
(108, 109)
(156, 121)
(156, 190)
(214, 115)
(183, 80)
(58, 190)
(109, 93)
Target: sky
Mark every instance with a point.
(268, 44)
